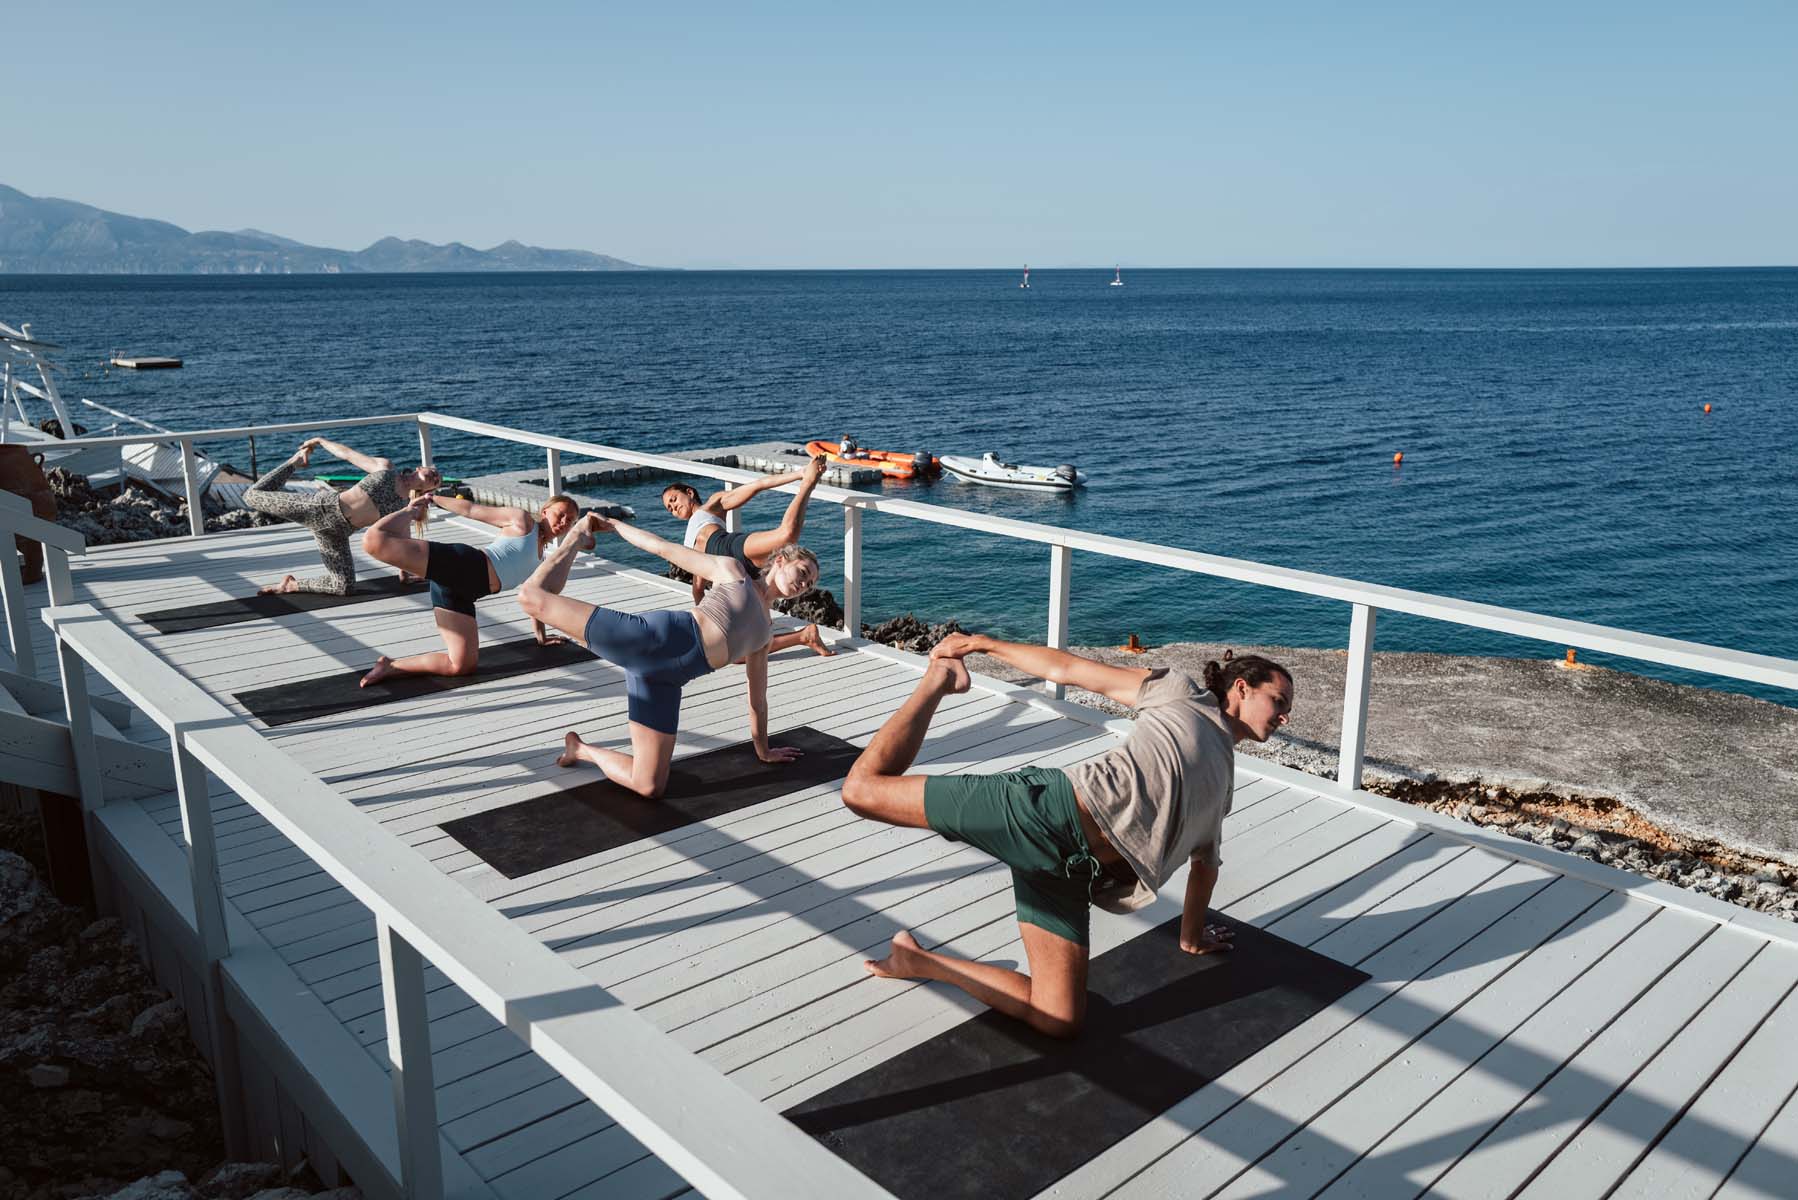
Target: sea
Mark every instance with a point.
(1558, 452)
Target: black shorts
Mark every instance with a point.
(727, 543)
(458, 576)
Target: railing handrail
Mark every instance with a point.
(1672, 652)
(696, 1119)
(240, 431)
(1706, 658)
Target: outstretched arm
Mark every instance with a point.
(1057, 666)
(714, 567)
(742, 494)
(512, 520)
(357, 459)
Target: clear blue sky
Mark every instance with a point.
(935, 135)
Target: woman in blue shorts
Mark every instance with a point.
(461, 574)
(663, 650)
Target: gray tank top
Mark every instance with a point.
(737, 609)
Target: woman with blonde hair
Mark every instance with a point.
(460, 574)
(663, 650)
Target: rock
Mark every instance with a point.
(168, 1128)
(168, 1185)
(281, 1193)
(236, 1180)
(907, 632)
(48, 1075)
(1561, 825)
(81, 1102)
(1462, 811)
(1586, 846)
(158, 1020)
(342, 1193)
(1478, 812)
(817, 606)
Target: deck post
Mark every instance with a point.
(190, 475)
(409, 1051)
(424, 445)
(1353, 746)
(1061, 576)
(18, 630)
(733, 520)
(81, 727)
(555, 471)
(852, 571)
(193, 788)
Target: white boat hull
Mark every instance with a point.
(1017, 477)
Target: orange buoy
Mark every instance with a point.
(1707, 408)
(1398, 458)
(1134, 646)
(1572, 656)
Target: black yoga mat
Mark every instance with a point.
(239, 609)
(534, 835)
(304, 699)
(993, 1109)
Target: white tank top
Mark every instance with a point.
(698, 521)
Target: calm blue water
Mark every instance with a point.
(1557, 456)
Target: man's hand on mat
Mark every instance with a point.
(1215, 938)
(956, 645)
(778, 754)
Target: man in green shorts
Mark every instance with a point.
(1108, 831)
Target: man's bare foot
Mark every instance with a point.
(811, 637)
(382, 669)
(289, 584)
(951, 674)
(901, 961)
(571, 754)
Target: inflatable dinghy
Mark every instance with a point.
(993, 471)
(896, 463)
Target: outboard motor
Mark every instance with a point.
(923, 462)
(1067, 472)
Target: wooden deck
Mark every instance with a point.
(1534, 1023)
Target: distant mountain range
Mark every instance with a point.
(62, 237)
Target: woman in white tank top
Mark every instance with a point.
(461, 574)
(706, 531)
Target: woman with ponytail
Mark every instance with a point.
(752, 548)
(1108, 831)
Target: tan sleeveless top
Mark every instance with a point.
(736, 609)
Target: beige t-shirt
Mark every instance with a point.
(1162, 796)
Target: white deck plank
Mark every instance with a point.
(1609, 1147)
(1536, 1129)
(1484, 1086)
(1694, 1157)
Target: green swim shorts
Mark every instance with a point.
(1027, 820)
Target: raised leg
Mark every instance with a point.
(644, 770)
(459, 656)
(877, 785)
(390, 541)
(1051, 999)
(541, 595)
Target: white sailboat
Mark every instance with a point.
(1117, 279)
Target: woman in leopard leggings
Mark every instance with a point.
(333, 516)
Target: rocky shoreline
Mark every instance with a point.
(103, 1083)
